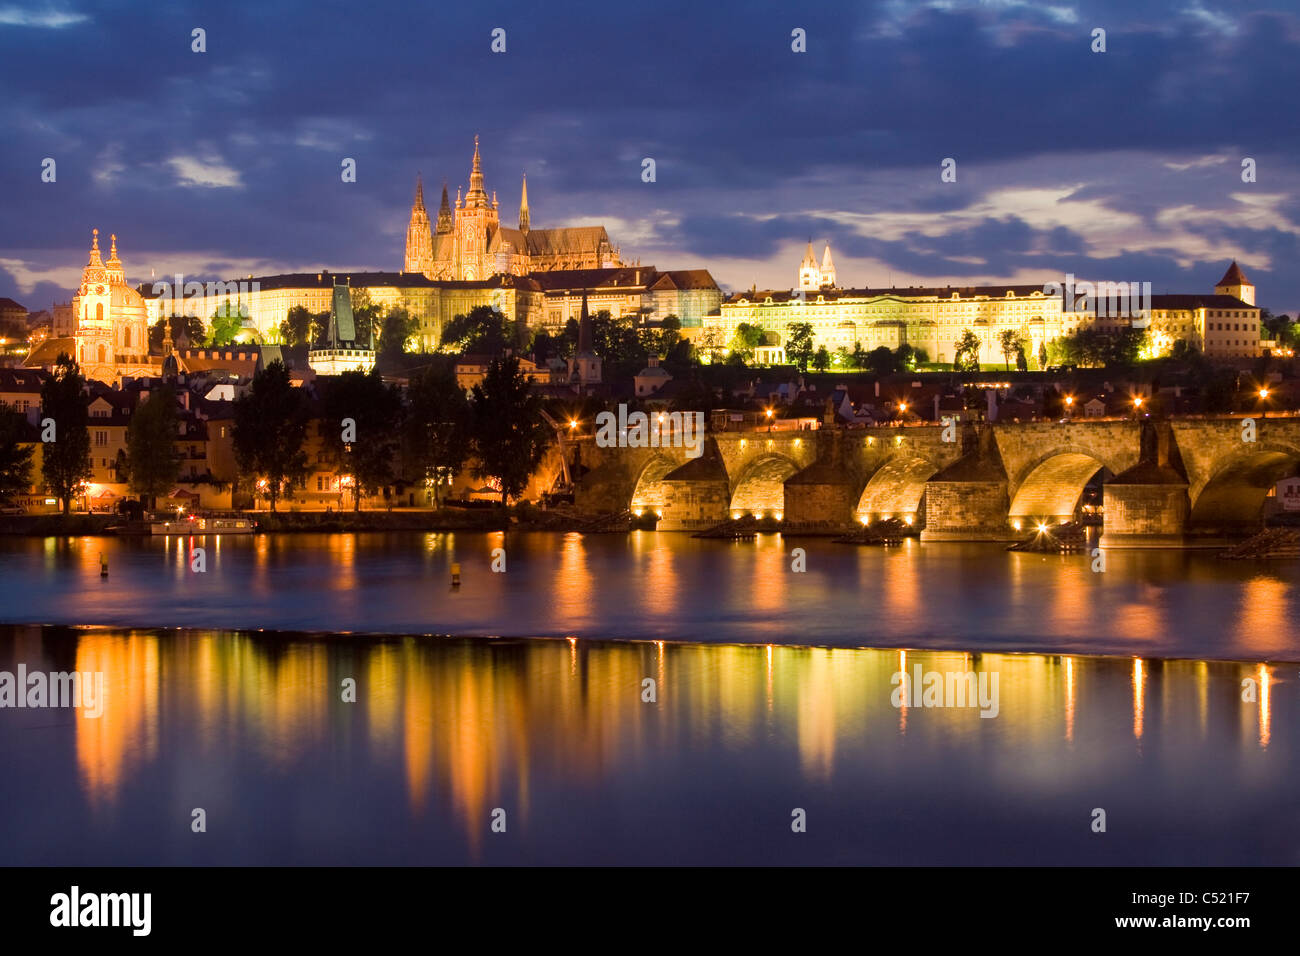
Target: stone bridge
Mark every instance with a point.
(1166, 483)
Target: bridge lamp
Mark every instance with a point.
(1263, 394)
(902, 408)
(735, 516)
(779, 515)
(908, 519)
(1137, 401)
(1015, 523)
(1042, 527)
(573, 423)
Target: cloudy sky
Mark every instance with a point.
(1124, 165)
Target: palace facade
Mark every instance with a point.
(1224, 324)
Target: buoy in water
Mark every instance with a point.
(455, 575)
(103, 566)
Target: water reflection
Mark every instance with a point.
(563, 736)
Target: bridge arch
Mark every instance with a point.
(1235, 492)
(895, 489)
(650, 492)
(760, 489)
(1051, 485)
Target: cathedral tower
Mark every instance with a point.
(419, 240)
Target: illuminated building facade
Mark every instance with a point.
(469, 243)
(1223, 325)
(110, 339)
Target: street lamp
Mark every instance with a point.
(769, 421)
(1137, 404)
(1263, 397)
(1069, 405)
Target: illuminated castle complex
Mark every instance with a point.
(469, 242)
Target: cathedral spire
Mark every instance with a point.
(523, 207)
(419, 192)
(477, 196)
(444, 212)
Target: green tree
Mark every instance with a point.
(437, 432)
(966, 357)
(270, 428)
(366, 316)
(15, 453)
(481, 331)
(881, 360)
(396, 328)
(375, 411)
(509, 434)
(225, 325)
(65, 461)
(1008, 343)
(189, 326)
(821, 359)
(151, 462)
(744, 340)
(1042, 354)
(299, 326)
(799, 344)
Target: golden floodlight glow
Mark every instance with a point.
(902, 406)
(1137, 401)
(735, 516)
(798, 442)
(1015, 523)
(573, 423)
(866, 520)
(1042, 527)
(769, 413)
(637, 512)
(908, 519)
(1069, 400)
(1263, 393)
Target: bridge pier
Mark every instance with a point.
(1150, 514)
(966, 511)
(696, 496)
(820, 498)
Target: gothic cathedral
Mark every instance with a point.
(470, 243)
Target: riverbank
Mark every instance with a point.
(523, 518)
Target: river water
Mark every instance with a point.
(1156, 691)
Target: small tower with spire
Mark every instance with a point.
(828, 267)
(1235, 283)
(585, 366)
(810, 277)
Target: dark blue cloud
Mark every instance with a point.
(740, 126)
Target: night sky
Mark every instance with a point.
(1122, 165)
